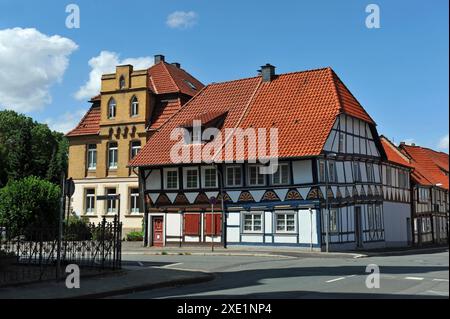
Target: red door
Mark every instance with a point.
(158, 231)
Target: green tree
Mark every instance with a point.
(29, 202)
(30, 148)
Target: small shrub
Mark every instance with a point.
(164, 253)
(135, 236)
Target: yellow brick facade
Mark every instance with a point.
(122, 129)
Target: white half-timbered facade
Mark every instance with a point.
(327, 190)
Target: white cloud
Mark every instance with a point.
(182, 19)
(65, 122)
(30, 62)
(104, 63)
(443, 143)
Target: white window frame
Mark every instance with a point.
(112, 202)
(258, 166)
(166, 171)
(279, 172)
(204, 168)
(332, 177)
(92, 157)
(134, 199)
(285, 231)
(334, 220)
(113, 150)
(88, 200)
(233, 167)
(112, 108)
(370, 173)
(134, 105)
(357, 176)
(252, 225)
(185, 177)
(134, 148)
(321, 174)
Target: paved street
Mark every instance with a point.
(406, 276)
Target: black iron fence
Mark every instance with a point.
(37, 253)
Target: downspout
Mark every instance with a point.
(144, 204)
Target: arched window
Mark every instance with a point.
(134, 106)
(112, 108)
(122, 82)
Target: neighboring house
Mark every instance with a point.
(396, 171)
(114, 130)
(329, 153)
(430, 194)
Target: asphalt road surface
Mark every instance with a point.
(406, 276)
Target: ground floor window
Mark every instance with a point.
(134, 201)
(252, 222)
(192, 224)
(111, 205)
(333, 220)
(213, 226)
(90, 201)
(285, 222)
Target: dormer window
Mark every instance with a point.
(122, 83)
(205, 128)
(112, 108)
(134, 106)
(191, 85)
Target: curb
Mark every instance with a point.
(281, 254)
(177, 282)
(406, 252)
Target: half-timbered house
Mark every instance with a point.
(327, 190)
(395, 176)
(430, 197)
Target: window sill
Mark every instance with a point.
(134, 215)
(109, 215)
(91, 215)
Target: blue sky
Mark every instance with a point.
(398, 72)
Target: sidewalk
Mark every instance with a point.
(136, 248)
(122, 282)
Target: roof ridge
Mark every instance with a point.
(337, 78)
(335, 89)
(170, 76)
(395, 148)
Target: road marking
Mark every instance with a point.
(414, 278)
(171, 265)
(439, 293)
(336, 279)
(140, 264)
(437, 279)
(351, 276)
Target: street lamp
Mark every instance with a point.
(327, 226)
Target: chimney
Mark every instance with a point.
(159, 58)
(402, 143)
(178, 65)
(267, 72)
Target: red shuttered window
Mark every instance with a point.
(192, 224)
(209, 224)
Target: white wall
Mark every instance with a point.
(396, 223)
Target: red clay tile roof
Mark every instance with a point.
(302, 105)
(394, 155)
(429, 165)
(163, 112)
(167, 78)
(164, 78)
(89, 124)
(204, 118)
